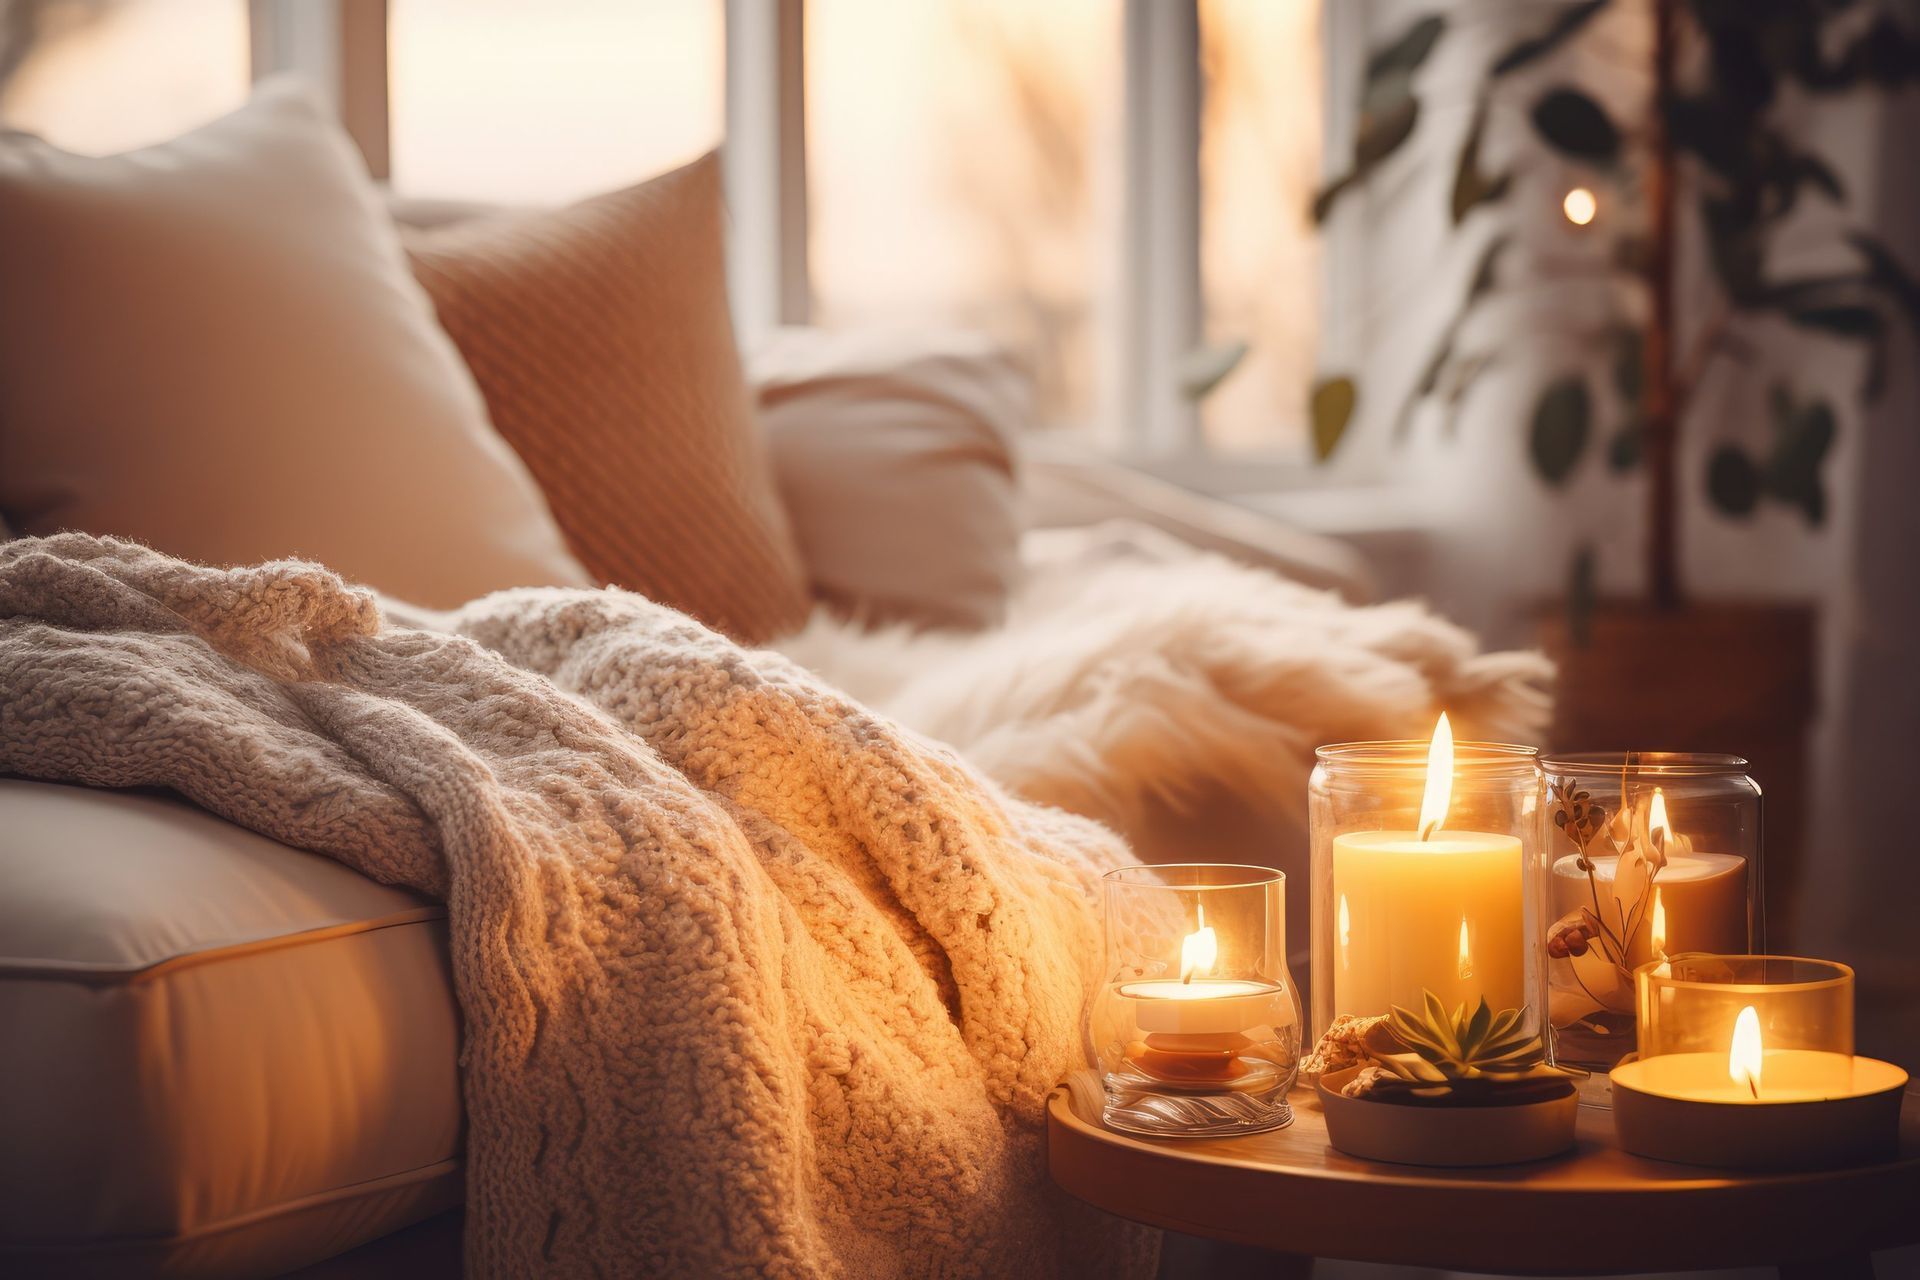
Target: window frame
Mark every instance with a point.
(1145, 421)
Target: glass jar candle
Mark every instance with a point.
(1197, 1027)
(1747, 1062)
(1426, 877)
(1651, 854)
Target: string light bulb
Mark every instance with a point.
(1581, 206)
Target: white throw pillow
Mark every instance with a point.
(214, 346)
(893, 454)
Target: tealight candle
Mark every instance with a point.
(1198, 1029)
(1195, 1027)
(1746, 1062)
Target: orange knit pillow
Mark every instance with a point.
(600, 337)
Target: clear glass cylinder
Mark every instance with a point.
(1457, 910)
(1651, 855)
(1197, 1027)
(1785, 1020)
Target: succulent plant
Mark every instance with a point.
(1469, 1059)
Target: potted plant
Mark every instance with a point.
(1666, 669)
(1438, 1088)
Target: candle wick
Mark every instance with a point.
(1426, 832)
(1754, 1085)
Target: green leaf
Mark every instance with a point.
(1575, 124)
(1623, 451)
(1535, 47)
(1477, 1028)
(1379, 136)
(1332, 409)
(1485, 272)
(1429, 380)
(1405, 54)
(1207, 366)
(1844, 321)
(1560, 428)
(1886, 273)
(1471, 184)
(1803, 436)
(1440, 1022)
(1734, 247)
(1712, 131)
(1812, 169)
(1733, 482)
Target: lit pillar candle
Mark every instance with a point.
(1428, 909)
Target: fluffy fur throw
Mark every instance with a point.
(1132, 668)
(753, 982)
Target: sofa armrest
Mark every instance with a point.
(1061, 493)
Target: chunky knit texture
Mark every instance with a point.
(754, 982)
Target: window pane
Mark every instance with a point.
(954, 149)
(536, 103)
(99, 77)
(1259, 165)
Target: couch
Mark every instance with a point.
(228, 1057)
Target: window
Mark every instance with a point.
(99, 78)
(957, 151)
(1115, 187)
(1259, 166)
(520, 103)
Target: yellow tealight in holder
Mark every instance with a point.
(1747, 1062)
(1197, 1028)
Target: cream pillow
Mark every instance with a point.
(893, 454)
(214, 346)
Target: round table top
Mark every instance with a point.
(1594, 1211)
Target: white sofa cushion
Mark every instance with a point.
(222, 1056)
(893, 452)
(214, 346)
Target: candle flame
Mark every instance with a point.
(1657, 826)
(1199, 949)
(1466, 951)
(1658, 936)
(1346, 922)
(1743, 1060)
(1433, 805)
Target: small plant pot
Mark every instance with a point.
(1456, 1137)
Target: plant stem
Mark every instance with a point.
(1661, 404)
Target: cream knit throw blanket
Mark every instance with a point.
(754, 982)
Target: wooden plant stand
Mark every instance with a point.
(1597, 1211)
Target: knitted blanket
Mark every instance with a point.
(754, 982)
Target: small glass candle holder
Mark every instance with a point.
(1650, 854)
(1426, 877)
(1746, 1062)
(1197, 1028)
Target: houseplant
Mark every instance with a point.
(1439, 1088)
(1700, 184)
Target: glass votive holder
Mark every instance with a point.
(1747, 1062)
(1401, 905)
(1196, 1029)
(1650, 854)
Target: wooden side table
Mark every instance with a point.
(1594, 1212)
